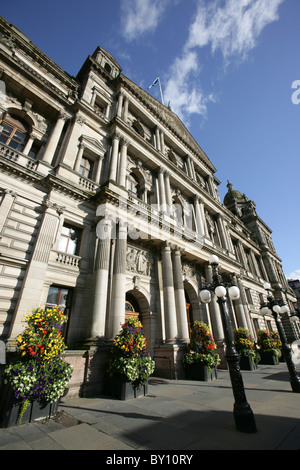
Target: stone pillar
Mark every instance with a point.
(162, 193)
(123, 161)
(157, 139)
(162, 141)
(79, 157)
(222, 231)
(214, 310)
(238, 306)
(114, 158)
(169, 295)
(117, 309)
(183, 331)
(125, 110)
(120, 104)
(33, 284)
(101, 272)
(199, 217)
(5, 207)
(28, 145)
(54, 138)
(168, 192)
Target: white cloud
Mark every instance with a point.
(294, 275)
(141, 16)
(231, 26)
(183, 90)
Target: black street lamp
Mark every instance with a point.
(273, 307)
(243, 415)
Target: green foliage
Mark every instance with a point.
(201, 347)
(128, 354)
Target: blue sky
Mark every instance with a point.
(227, 68)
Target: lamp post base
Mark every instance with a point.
(244, 419)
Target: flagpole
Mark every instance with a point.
(154, 83)
(162, 98)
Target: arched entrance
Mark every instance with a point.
(192, 303)
(137, 305)
(132, 308)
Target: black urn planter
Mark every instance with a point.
(123, 389)
(268, 358)
(246, 363)
(10, 410)
(199, 371)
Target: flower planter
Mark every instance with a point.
(124, 390)
(268, 358)
(199, 371)
(246, 363)
(10, 410)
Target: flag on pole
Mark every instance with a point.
(154, 83)
(157, 80)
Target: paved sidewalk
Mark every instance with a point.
(181, 415)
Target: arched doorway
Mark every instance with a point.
(189, 311)
(132, 308)
(137, 305)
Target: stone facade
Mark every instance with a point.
(108, 207)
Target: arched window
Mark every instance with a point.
(13, 132)
(133, 185)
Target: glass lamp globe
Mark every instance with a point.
(205, 296)
(265, 311)
(276, 308)
(213, 259)
(234, 292)
(284, 309)
(220, 291)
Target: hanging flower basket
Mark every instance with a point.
(40, 376)
(129, 366)
(200, 361)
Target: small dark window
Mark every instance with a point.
(13, 133)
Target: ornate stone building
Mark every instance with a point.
(108, 208)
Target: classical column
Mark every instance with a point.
(125, 110)
(54, 138)
(183, 331)
(79, 157)
(238, 305)
(157, 139)
(162, 141)
(123, 161)
(214, 310)
(199, 217)
(162, 193)
(168, 192)
(101, 272)
(114, 157)
(120, 104)
(28, 145)
(5, 206)
(33, 284)
(222, 231)
(117, 310)
(169, 295)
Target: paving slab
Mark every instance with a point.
(176, 415)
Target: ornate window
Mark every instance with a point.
(13, 133)
(69, 240)
(86, 167)
(133, 186)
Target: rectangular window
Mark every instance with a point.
(86, 167)
(69, 241)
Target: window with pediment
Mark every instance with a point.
(13, 132)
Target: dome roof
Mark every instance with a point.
(232, 195)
